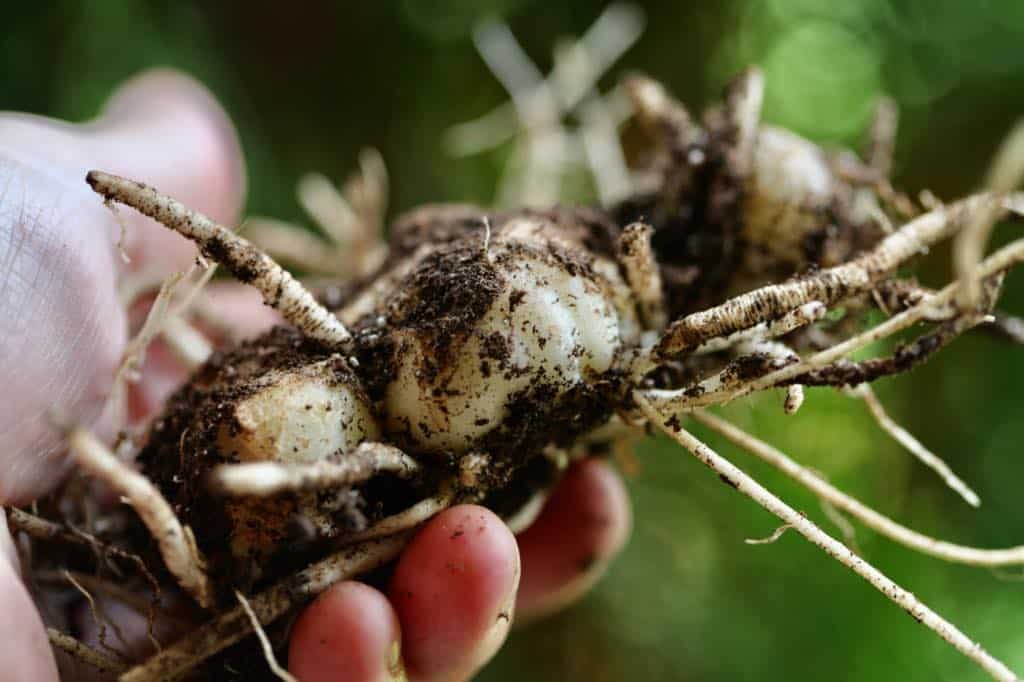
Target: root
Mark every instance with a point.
(914, 446)
(771, 539)
(84, 652)
(295, 246)
(806, 314)
(264, 479)
(186, 342)
(940, 549)
(268, 650)
(882, 137)
(1005, 174)
(99, 618)
(794, 399)
(837, 550)
(42, 529)
(743, 100)
(247, 263)
(231, 626)
(176, 544)
(828, 286)
(135, 353)
(405, 520)
(642, 275)
(999, 261)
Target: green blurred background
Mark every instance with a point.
(311, 83)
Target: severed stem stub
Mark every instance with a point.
(250, 265)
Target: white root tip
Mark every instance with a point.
(794, 399)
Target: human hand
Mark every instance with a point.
(63, 330)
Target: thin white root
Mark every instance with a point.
(940, 549)
(135, 352)
(536, 107)
(231, 626)
(642, 275)
(84, 652)
(263, 479)
(268, 650)
(914, 446)
(607, 39)
(176, 543)
(405, 520)
(246, 262)
(1004, 176)
(828, 286)
(331, 211)
(293, 245)
(743, 99)
(837, 550)
(771, 539)
(882, 137)
(186, 342)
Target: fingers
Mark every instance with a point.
(61, 325)
(584, 524)
(349, 634)
(454, 590)
(24, 639)
(451, 600)
(165, 129)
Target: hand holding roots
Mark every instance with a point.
(477, 352)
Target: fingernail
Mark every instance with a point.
(395, 664)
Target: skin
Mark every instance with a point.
(454, 591)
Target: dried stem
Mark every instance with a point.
(176, 543)
(231, 626)
(837, 550)
(940, 549)
(246, 262)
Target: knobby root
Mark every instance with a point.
(250, 265)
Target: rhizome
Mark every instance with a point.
(474, 354)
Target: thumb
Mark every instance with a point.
(61, 323)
